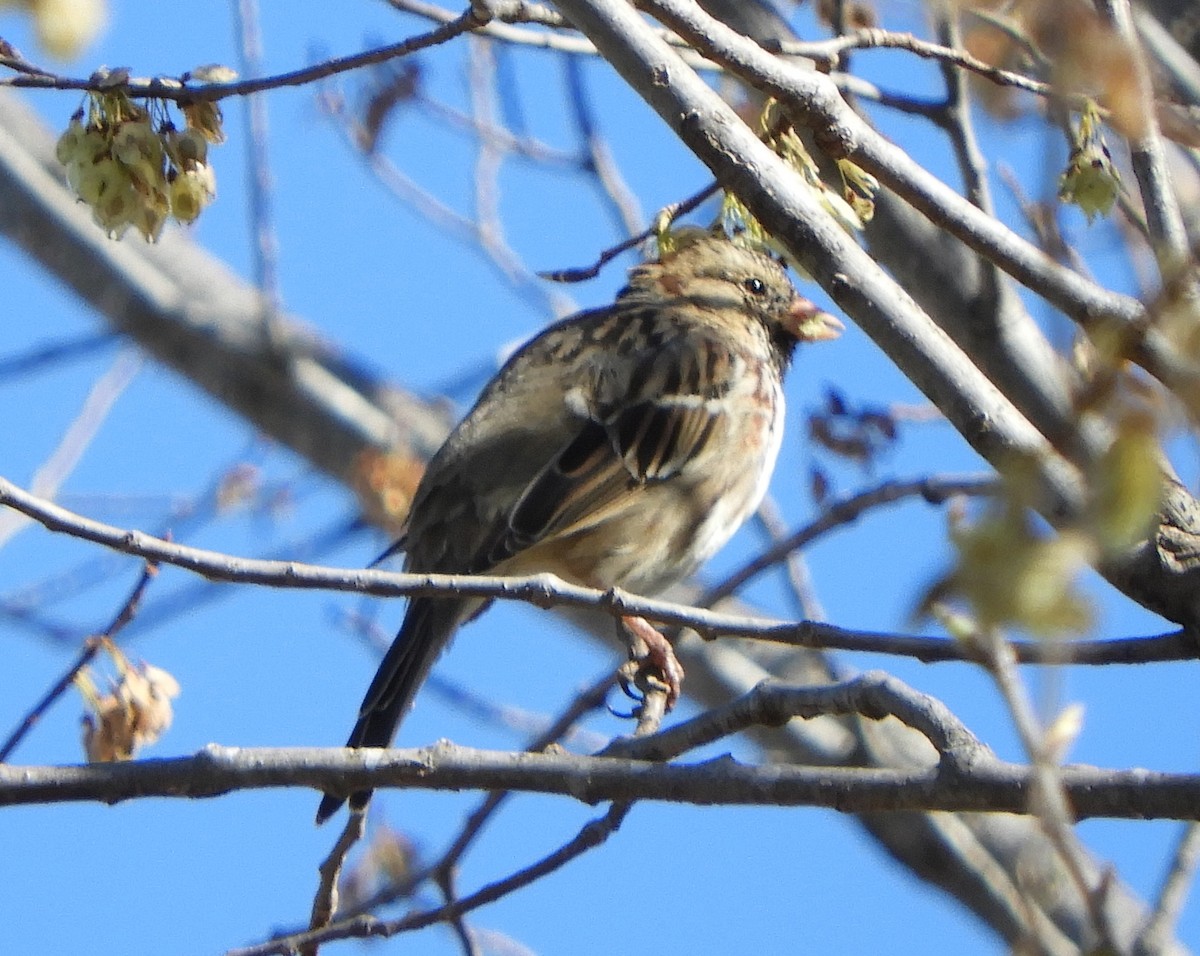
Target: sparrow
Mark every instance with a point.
(621, 447)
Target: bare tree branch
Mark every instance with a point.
(179, 90)
(966, 778)
(545, 590)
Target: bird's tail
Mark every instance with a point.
(428, 626)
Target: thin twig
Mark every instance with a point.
(838, 514)
(182, 518)
(1169, 239)
(514, 11)
(592, 835)
(171, 89)
(262, 221)
(807, 603)
(620, 198)
(447, 882)
(668, 215)
(52, 353)
(1156, 933)
(1048, 797)
(326, 899)
(462, 228)
(957, 118)
(79, 434)
(524, 146)
(481, 78)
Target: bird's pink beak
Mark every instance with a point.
(810, 324)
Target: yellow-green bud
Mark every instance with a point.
(70, 141)
(187, 149)
(191, 191)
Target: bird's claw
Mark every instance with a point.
(652, 667)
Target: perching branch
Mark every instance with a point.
(545, 590)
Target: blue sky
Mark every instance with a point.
(262, 668)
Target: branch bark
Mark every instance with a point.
(991, 786)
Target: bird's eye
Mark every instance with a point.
(754, 285)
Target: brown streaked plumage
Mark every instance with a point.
(619, 448)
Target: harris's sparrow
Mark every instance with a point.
(619, 448)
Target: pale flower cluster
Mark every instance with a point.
(135, 171)
(136, 710)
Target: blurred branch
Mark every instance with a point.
(592, 698)
(1171, 898)
(176, 518)
(472, 233)
(192, 314)
(53, 354)
(603, 165)
(330, 873)
(1049, 798)
(523, 146)
(258, 169)
(956, 118)
(804, 595)
(836, 514)
(79, 434)
(1168, 236)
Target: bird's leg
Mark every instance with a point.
(652, 660)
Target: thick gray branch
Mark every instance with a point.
(214, 771)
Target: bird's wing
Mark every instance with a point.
(568, 432)
(642, 421)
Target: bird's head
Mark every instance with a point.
(728, 278)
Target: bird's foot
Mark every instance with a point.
(652, 669)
